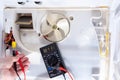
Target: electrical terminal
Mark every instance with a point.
(104, 45)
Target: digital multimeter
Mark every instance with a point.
(52, 59)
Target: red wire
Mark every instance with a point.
(63, 69)
(21, 65)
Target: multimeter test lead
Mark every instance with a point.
(64, 70)
(15, 53)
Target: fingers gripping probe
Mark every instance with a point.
(21, 65)
(19, 61)
(14, 54)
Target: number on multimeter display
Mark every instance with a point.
(49, 49)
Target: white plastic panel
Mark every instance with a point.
(80, 49)
(49, 3)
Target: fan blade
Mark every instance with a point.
(56, 35)
(52, 18)
(50, 34)
(45, 28)
(62, 32)
(64, 25)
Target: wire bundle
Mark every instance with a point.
(64, 70)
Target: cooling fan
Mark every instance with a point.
(55, 27)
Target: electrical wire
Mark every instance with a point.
(63, 69)
(10, 41)
(15, 52)
(15, 66)
(21, 65)
(64, 76)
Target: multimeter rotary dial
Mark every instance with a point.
(52, 60)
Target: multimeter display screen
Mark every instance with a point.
(49, 49)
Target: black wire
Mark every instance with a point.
(64, 76)
(18, 76)
(15, 66)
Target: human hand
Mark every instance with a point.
(6, 69)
